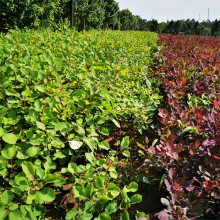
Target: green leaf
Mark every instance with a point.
(29, 169)
(105, 216)
(162, 181)
(113, 189)
(126, 153)
(113, 174)
(91, 143)
(112, 152)
(125, 142)
(12, 92)
(59, 155)
(40, 88)
(91, 158)
(79, 191)
(103, 199)
(81, 169)
(40, 125)
(89, 190)
(30, 197)
(86, 216)
(104, 145)
(55, 178)
(72, 168)
(125, 216)
(105, 131)
(189, 129)
(71, 215)
(136, 199)
(1, 131)
(142, 214)
(3, 162)
(116, 123)
(125, 197)
(9, 152)
(32, 151)
(15, 215)
(7, 197)
(37, 103)
(148, 83)
(46, 195)
(9, 138)
(191, 69)
(60, 126)
(3, 212)
(99, 182)
(132, 187)
(20, 155)
(79, 129)
(13, 206)
(22, 182)
(111, 208)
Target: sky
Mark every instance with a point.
(164, 10)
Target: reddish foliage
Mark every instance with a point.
(189, 147)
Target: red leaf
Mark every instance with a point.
(216, 157)
(190, 188)
(197, 144)
(177, 186)
(192, 150)
(179, 148)
(171, 137)
(168, 186)
(169, 146)
(171, 173)
(199, 115)
(184, 80)
(171, 82)
(152, 150)
(206, 183)
(216, 104)
(163, 215)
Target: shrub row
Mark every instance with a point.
(189, 126)
(61, 93)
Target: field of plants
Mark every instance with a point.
(63, 97)
(109, 125)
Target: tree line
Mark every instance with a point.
(189, 27)
(91, 14)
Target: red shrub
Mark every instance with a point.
(189, 124)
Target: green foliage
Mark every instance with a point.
(128, 21)
(97, 191)
(61, 93)
(91, 14)
(30, 13)
(83, 15)
(187, 27)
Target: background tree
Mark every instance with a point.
(111, 20)
(153, 25)
(177, 27)
(215, 30)
(29, 13)
(92, 14)
(170, 27)
(127, 20)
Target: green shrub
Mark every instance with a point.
(58, 87)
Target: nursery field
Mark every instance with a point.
(63, 95)
(109, 125)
